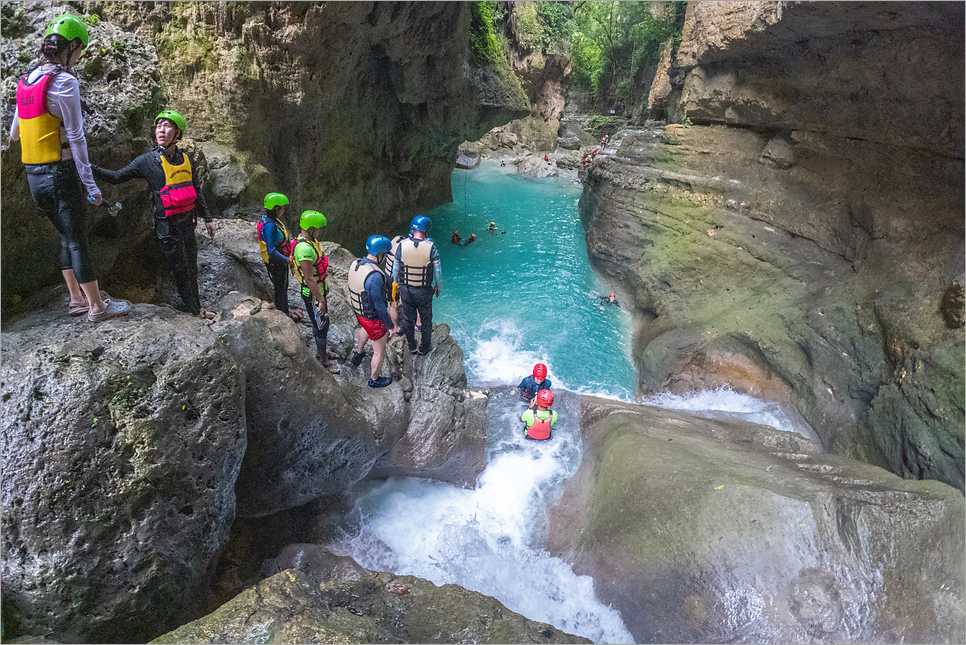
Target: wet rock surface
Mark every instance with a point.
(339, 602)
(726, 531)
(121, 446)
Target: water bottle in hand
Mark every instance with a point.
(115, 209)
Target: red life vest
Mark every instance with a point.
(321, 262)
(540, 429)
(178, 194)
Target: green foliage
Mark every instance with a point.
(483, 42)
(92, 20)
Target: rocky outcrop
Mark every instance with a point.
(727, 531)
(121, 446)
(805, 256)
(354, 109)
(342, 603)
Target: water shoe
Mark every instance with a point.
(357, 358)
(114, 309)
(382, 381)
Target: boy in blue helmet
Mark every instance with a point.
(369, 297)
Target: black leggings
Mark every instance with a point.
(180, 249)
(59, 195)
(278, 273)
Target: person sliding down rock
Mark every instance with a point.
(369, 296)
(178, 201)
(415, 271)
(532, 384)
(538, 422)
(274, 246)
(312, 267)
(49, 124)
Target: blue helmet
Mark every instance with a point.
(421, 223)
(377, 244)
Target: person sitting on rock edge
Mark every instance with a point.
(49, 124)
(530, 385)
(369, 295)
(312, 267)
(274, 246)
(540, 421)
(177, 199)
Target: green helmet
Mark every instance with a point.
(275, 199)
(172, 116)
(312, 219)
(70, 27)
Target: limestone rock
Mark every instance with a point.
(291, 607)
(233, 177)
(121, 445)
(719, 531)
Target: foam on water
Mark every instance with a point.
(489, 539)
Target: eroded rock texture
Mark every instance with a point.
(726, 531)
(121, 446)
(804, 257)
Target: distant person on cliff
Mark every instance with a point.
(369, 296)
(532, 384)
(416, 270)
(540, 421)
(49, 124)
(177, 200)
(274, 246)
(312, 267)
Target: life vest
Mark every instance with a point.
(359, 298)
(321, 262)
(263, 246)
(416, 269)
(540, 430)
(178, 194)
(391, 256)
(40, 139)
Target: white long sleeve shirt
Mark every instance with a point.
(63, 101)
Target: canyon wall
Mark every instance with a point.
(804, 240)
(355, 109)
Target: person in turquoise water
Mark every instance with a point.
(540, 421)
(312, 267)
(532, 384)
(369, 296)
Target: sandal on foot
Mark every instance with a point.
(114, 309)
(413, 351)
(78, 309)
(296, 315)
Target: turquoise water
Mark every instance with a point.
(527, 295)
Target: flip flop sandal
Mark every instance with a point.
(296, 315)
(78, 309)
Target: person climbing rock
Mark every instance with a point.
(274, 246)
(456, 239)
(540, 421)
(530, 385)
(311, 268)
(416, 271)
(49, 124)
(369, 296)
(178, 202)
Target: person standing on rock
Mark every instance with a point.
(394, 296)
(530, 385)
(178, 202)
(369, 296)
(312, 267)
(416, 271)
(49, 124)
(540, 421)
(274, 246)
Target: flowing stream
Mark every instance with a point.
(522, 294)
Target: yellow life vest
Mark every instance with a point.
(178, 194)
(263, 246)
(40, 140)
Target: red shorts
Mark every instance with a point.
(374, 328)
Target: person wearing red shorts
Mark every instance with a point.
(369, 296)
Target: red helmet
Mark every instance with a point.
(545, 398)
(539, 371)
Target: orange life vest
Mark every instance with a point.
(540, 429)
